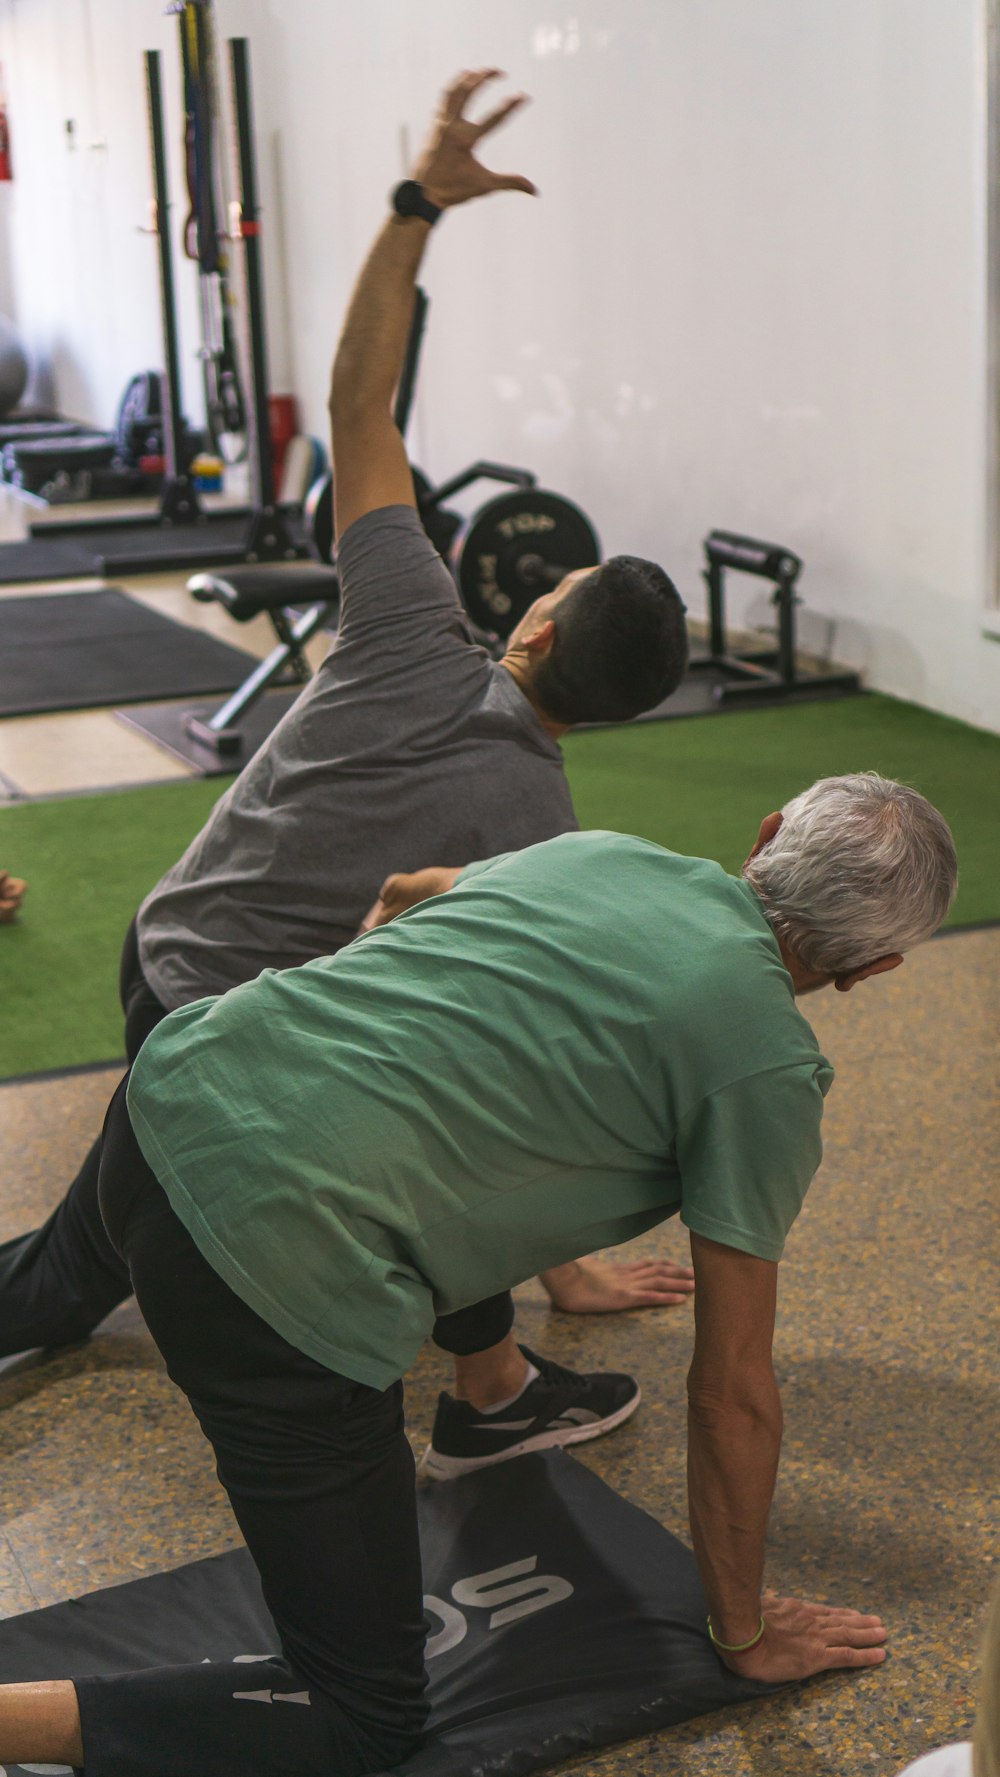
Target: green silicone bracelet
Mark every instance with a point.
(728, 1647)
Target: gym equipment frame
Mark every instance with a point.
(179, 503)
(768, 673)
(277, 590)
(181, 534)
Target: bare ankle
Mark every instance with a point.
(561, 1281)
(488, 1377)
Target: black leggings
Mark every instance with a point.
(320, 1477)
(59, 1282)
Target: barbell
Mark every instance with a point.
(513, 549)
(439, 523)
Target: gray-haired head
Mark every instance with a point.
(861, 867)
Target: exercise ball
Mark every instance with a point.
(13, 366)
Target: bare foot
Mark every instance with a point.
(604, 1286)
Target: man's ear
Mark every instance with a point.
(540, 641)
(844, 983)
(768, 828)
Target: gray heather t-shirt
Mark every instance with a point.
(409, 747)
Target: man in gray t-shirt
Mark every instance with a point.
(410, 748)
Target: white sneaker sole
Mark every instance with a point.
(435, 1467)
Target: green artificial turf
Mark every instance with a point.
(700, 785)
(88, 862)
(703, 785)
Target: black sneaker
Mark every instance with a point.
(558, 1407)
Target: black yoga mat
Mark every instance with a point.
(561, 1620)
(79, 650)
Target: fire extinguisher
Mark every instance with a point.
(6, 170)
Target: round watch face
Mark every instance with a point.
(407, 198)
(410, 199)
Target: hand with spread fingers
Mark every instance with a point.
(447, 167)
(802, 1639)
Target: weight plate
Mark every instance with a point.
(318, 513)
(438, 522)
(500, 558)
(421, 485)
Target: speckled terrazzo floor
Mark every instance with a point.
(886, 1352)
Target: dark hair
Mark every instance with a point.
(620, 645)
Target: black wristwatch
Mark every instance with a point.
(410, 199)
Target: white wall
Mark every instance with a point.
(751, 295)
(81, 274)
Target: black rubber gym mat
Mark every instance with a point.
(67, 552)
(81, 650)
(145, 549)
(561, 1618)
(165, 724)
(41, 559)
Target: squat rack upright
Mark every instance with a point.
(181, 533)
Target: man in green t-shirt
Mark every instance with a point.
(568, 1045)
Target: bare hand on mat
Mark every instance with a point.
(399, 893)
(12, 892)
(801, 1639)
(609, 1286)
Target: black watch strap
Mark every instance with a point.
(410, 199)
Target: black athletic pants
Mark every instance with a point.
(320, 1477)
(59, 1282)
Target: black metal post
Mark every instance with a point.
(268, 537)
(408, 375)
(784, 598)
(179, 502)
(716, 610)
(239, 50)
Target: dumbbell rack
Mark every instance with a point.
(768, 673)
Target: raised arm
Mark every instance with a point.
(370, 467)
(734, 1436)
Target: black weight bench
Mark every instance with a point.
(299, 598)
(38, 431)
(59, 467)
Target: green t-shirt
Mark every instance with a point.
(577, 1041)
